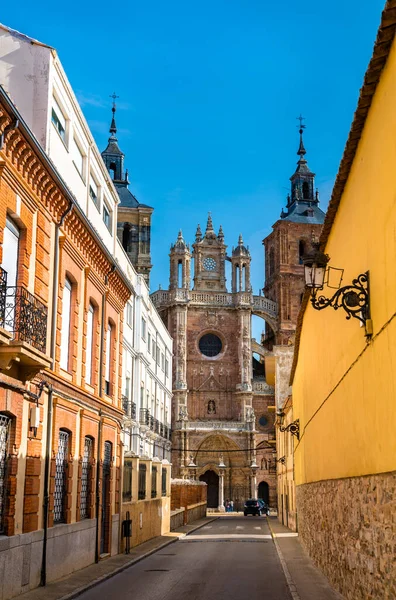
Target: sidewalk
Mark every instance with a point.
(305, 581)
(73, 585)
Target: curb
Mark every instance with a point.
(77, 592)
(290, 583)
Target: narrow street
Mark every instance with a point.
(232, 558)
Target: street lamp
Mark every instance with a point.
(293, 427)
(353, 298)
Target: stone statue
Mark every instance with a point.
(211, 407)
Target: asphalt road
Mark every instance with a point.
(228, 559)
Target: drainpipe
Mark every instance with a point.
(47, 465)
(48, 442)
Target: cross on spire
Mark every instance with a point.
(114, 96)
(113, 128)
(301, 150)
(301, 119)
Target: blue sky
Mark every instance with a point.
(209, 95)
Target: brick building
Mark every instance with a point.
(222, 428)
(285, 246)
(62, 298)
(291, 238)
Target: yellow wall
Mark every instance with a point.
(347, 405)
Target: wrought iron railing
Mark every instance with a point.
(128, 407)
(3, 294)
(25, 317)
(125, 403)
(144, 416)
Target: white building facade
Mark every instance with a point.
(32, 75)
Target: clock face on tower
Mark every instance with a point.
(209, 264)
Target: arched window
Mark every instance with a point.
(112, 170)
(89, 342)
(301, 251)
(60, 476)
(305, 190)
(109, 345)
(65, 331)
(86, 465)
(179, 274)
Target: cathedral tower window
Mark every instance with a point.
(305, 189)
(301, 251)
(210, 344)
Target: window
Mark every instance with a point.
(301, 251)
(85, 477)
(77, 157)
(149, 342)
(93, 191)
(127, 481)
(143, 329)
(5, 423)
(154, 482)
(10, 265)
(58, 119)
(142, 482)
(129, 314)
(272, 261)
(65, 331)
(89, 338)
(158, 355)
(106, 216)
(163, 482)
(153, 347)
(108, 356)
(162, 361)
(60, 477)
(166, 367)
(210, 344)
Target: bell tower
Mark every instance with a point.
(240, 261)
(133, 218)
(209, 259)
(286, 245)
(180, 264)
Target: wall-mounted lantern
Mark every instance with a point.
(353, 298)
(293, 427)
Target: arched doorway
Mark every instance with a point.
(263, 491)
(212, 481)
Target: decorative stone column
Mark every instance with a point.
(221, 492)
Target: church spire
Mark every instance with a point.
(301, 150)
(302, 202)
(113, 127)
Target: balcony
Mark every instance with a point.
(154, 424)
(128, 407)
(23, 320)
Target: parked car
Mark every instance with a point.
(253, 507)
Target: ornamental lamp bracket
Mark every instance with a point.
(353, 298)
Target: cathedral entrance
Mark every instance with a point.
(263, 491)
(212, 481)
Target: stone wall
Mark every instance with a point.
(348, 527)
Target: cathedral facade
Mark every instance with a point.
(223, 430)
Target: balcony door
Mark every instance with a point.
(10, 266)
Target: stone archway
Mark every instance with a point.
(212, 481)
(263, 491)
